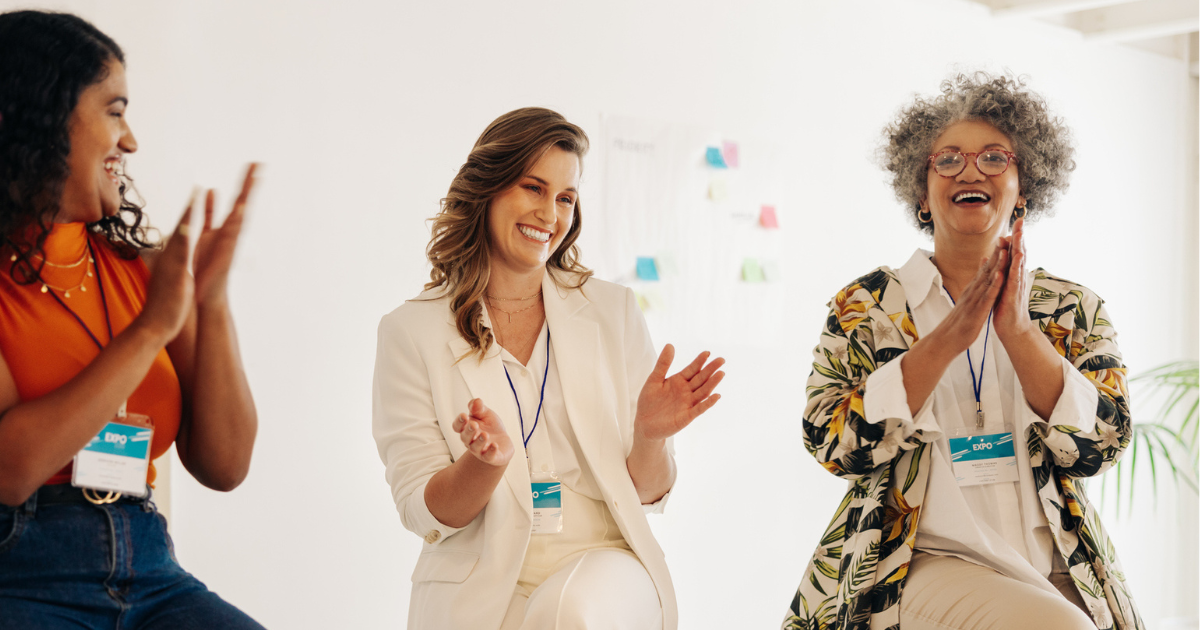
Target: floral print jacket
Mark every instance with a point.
(857, 573)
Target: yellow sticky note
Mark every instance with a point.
(717, 189)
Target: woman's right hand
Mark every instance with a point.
(971, 309)
(169, 295)
(483, 433)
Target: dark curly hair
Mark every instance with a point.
(1041, 141)
(46, 61)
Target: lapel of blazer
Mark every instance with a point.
(487, 382)
(577, 353)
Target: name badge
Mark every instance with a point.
(547, 507)
(984, 459)
(118, 458)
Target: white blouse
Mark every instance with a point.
(552, 445)
(1002, 525)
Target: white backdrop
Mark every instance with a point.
(363, 111)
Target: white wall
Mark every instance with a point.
(362, 112)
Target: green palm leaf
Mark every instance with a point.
(1169, 440)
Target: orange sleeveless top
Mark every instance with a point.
(44, 346)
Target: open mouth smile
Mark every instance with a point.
(112, 168)
(971, 198)
(534, 234)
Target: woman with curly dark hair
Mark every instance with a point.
(103, 362)
(965, 451)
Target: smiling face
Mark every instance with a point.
(100, 138)
(971, 203)
(528, 221)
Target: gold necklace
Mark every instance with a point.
(82, 258)
(66, 291)
(500, 299)
(511, 313)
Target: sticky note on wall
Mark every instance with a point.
(729, 151)
(767, 218)
(646, 269)
(752, 271)
(770, 269)
(714, 158)
(717, 190)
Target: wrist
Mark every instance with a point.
(1024, 334)
(938, 347)
(216, 305)
(147, 333)
(644, 444)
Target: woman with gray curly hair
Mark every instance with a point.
(965, 452)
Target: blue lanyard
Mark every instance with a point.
(525, 438)
(977, 384)
(103, 300)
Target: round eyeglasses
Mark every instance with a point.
(992, 162)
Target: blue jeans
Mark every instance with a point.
(78, 565)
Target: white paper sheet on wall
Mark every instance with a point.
(665, 198)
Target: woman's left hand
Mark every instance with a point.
(1011, 315)
(215, 246)
(667, 405)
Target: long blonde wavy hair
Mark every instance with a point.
(460, 247)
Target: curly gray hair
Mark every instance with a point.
(1042, 142)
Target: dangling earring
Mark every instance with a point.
(1019, 212)
(923, 215)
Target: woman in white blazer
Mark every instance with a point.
(515, 372)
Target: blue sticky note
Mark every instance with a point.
(714, 158)
(646, 269)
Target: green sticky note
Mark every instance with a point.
(752, 271)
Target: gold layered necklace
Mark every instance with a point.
(492, 299)
(87, 273)
(82, 257)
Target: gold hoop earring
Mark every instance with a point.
(1019, 212)
(925, 216)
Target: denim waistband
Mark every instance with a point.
(67, 494)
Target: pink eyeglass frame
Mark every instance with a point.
(1012, 157)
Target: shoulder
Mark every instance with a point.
(574, 287)
(879, 287)
(603, 292)
(423, 312)
(1052, 295)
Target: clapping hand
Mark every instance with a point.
(973, 306)
(215, 246)
(483, 433)
(667, 405)
(1011, 317)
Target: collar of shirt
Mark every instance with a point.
(919, 277)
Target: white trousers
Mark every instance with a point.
(948, 593)
(583, 578)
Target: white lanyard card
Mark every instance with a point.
(547, 504)
(118, 458)
(983, 458)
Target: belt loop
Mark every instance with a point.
(148, 504)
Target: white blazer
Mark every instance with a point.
(465, 577)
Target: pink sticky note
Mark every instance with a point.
(767, 218)
(729, 151)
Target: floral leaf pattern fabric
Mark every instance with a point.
(856, 575)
